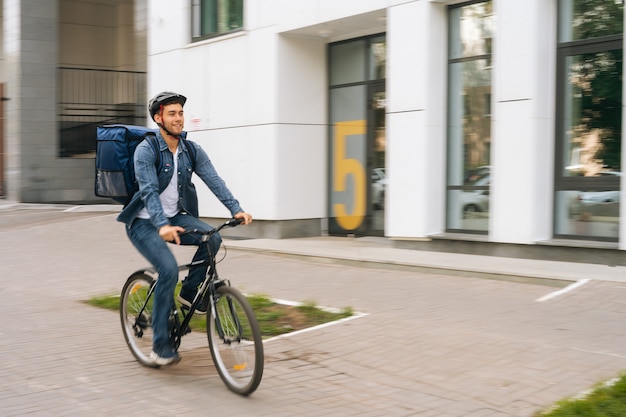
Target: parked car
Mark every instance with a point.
(379, 182)
(596, 197)
(476, 200)
(475, 174)
(598, 203)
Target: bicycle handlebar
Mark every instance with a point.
(206, 236)
(230, 223)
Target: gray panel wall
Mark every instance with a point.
(32, 51)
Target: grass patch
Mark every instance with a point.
(110, 302)
(274, 318)
(604, 400)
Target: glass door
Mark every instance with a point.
(377, 145)
(357, 144)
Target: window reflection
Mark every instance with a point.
(471, 30)
(590, 19)
(215, 17)
(586, 214)
(469, 117)
(589, 119)
(593, 123)
(469, 209)
(378, 58)
(346, 62)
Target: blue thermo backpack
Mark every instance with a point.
(115, 170)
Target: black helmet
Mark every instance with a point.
(163, 98)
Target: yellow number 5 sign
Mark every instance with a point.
(345, 167)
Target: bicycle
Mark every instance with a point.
(233, 332)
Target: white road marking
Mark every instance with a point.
(320, 326)
(562, 291)
(355, 315)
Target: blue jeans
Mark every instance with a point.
(145, 237)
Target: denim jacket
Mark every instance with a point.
(152, 183)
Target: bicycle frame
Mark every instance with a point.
(207, 289)
(234, 335)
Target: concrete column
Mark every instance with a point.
(140, 16)
(523, 126)
(416, 92)
(30, 52)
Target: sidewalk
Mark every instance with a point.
(379, 254)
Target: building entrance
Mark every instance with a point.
(357, 137)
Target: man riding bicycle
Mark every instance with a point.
(166, 205)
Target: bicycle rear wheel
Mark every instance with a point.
(235, 341)
(136, 316)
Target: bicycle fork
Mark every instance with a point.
(232, 320)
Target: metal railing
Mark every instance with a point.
(89, 98)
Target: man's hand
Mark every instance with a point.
(170, 233)
(246, 217)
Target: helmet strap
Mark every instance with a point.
(167, 131)
(163, 126)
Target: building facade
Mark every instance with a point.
(476, 126)
(67, 66)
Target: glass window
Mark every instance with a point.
(357, 139)
(348, 151)
(347, 62)
(378, 58)
(471, 29)
(589, 120)
(469, 116)
(589, 19)
(592, 122)
(215, 17)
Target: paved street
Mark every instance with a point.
(428, 345)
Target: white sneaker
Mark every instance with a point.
(158, 360)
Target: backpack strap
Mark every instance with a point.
(152, 139)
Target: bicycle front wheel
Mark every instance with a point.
(235, 341)
(136, 316)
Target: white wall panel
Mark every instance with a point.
(302, 85)
(404, 214)
(523, 122)
(415, 204)
(295, 14)
(301, 172)
(514, 53)
(246, 159)
(276, 172)
(406, 66)
(168, 27)
(513, 171)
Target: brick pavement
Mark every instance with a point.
(430, 345)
